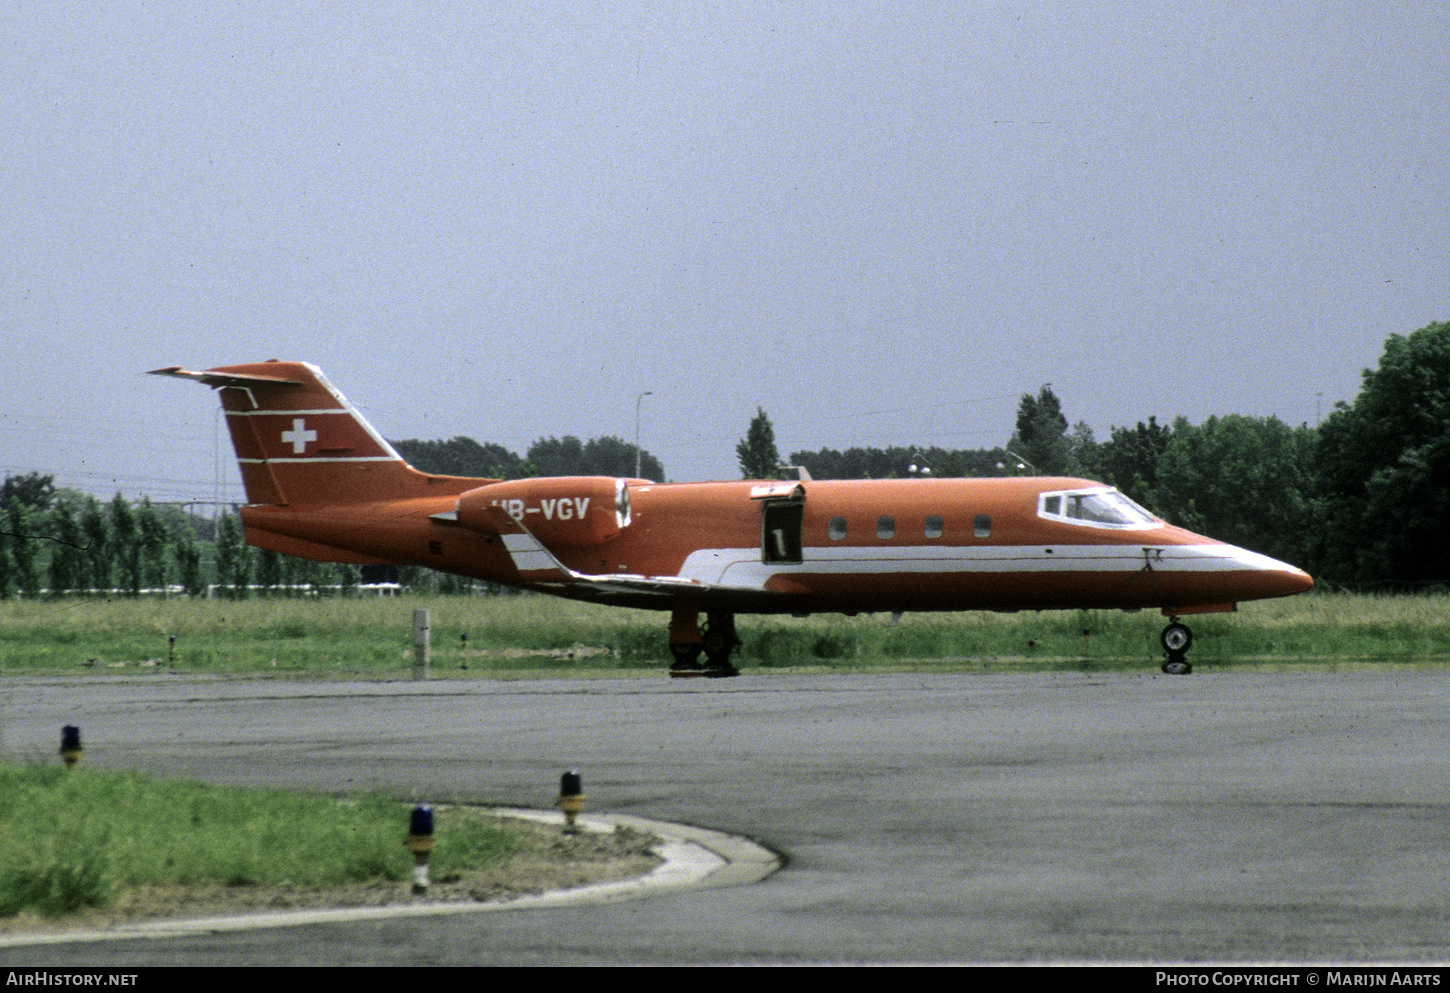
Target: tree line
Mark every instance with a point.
(566, 456)
(59, 542)
(1362, 500)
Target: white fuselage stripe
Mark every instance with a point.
(291, 413)
(742, 566)
(324, 458)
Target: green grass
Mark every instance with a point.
(74, 838)
(364, 635)
(370, 637)
(1314, 628)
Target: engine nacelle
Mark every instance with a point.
(568, 511)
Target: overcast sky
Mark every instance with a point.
(882, 222)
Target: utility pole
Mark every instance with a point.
(637, 401)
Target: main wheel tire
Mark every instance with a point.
(687, 660)
(717, 643)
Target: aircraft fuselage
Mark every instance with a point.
(861, 545)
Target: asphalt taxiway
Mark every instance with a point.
(1290, 816)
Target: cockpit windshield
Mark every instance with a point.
(1101, 508)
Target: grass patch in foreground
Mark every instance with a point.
(76, 838)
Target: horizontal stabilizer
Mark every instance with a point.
(215, 379)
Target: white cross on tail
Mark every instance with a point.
(299, 436)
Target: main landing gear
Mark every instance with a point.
(1176, 640)
(717, 642)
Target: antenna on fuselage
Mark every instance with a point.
(1021, 462)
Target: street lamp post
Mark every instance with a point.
(637, 401)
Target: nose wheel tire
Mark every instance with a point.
(1177, 665)
(1176, 638)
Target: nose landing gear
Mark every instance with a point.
(1176, 640)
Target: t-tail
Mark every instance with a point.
(299, 442)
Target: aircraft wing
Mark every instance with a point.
(539, 567)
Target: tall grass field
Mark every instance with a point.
(370, 637)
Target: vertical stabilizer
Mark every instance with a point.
(299, 442)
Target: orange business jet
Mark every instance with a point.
(322, 484)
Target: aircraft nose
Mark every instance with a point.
(1290, 580)
(1269, 577)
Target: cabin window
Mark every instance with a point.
(885, 527)
(982, 526)
(836, 528)
(933, 528)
